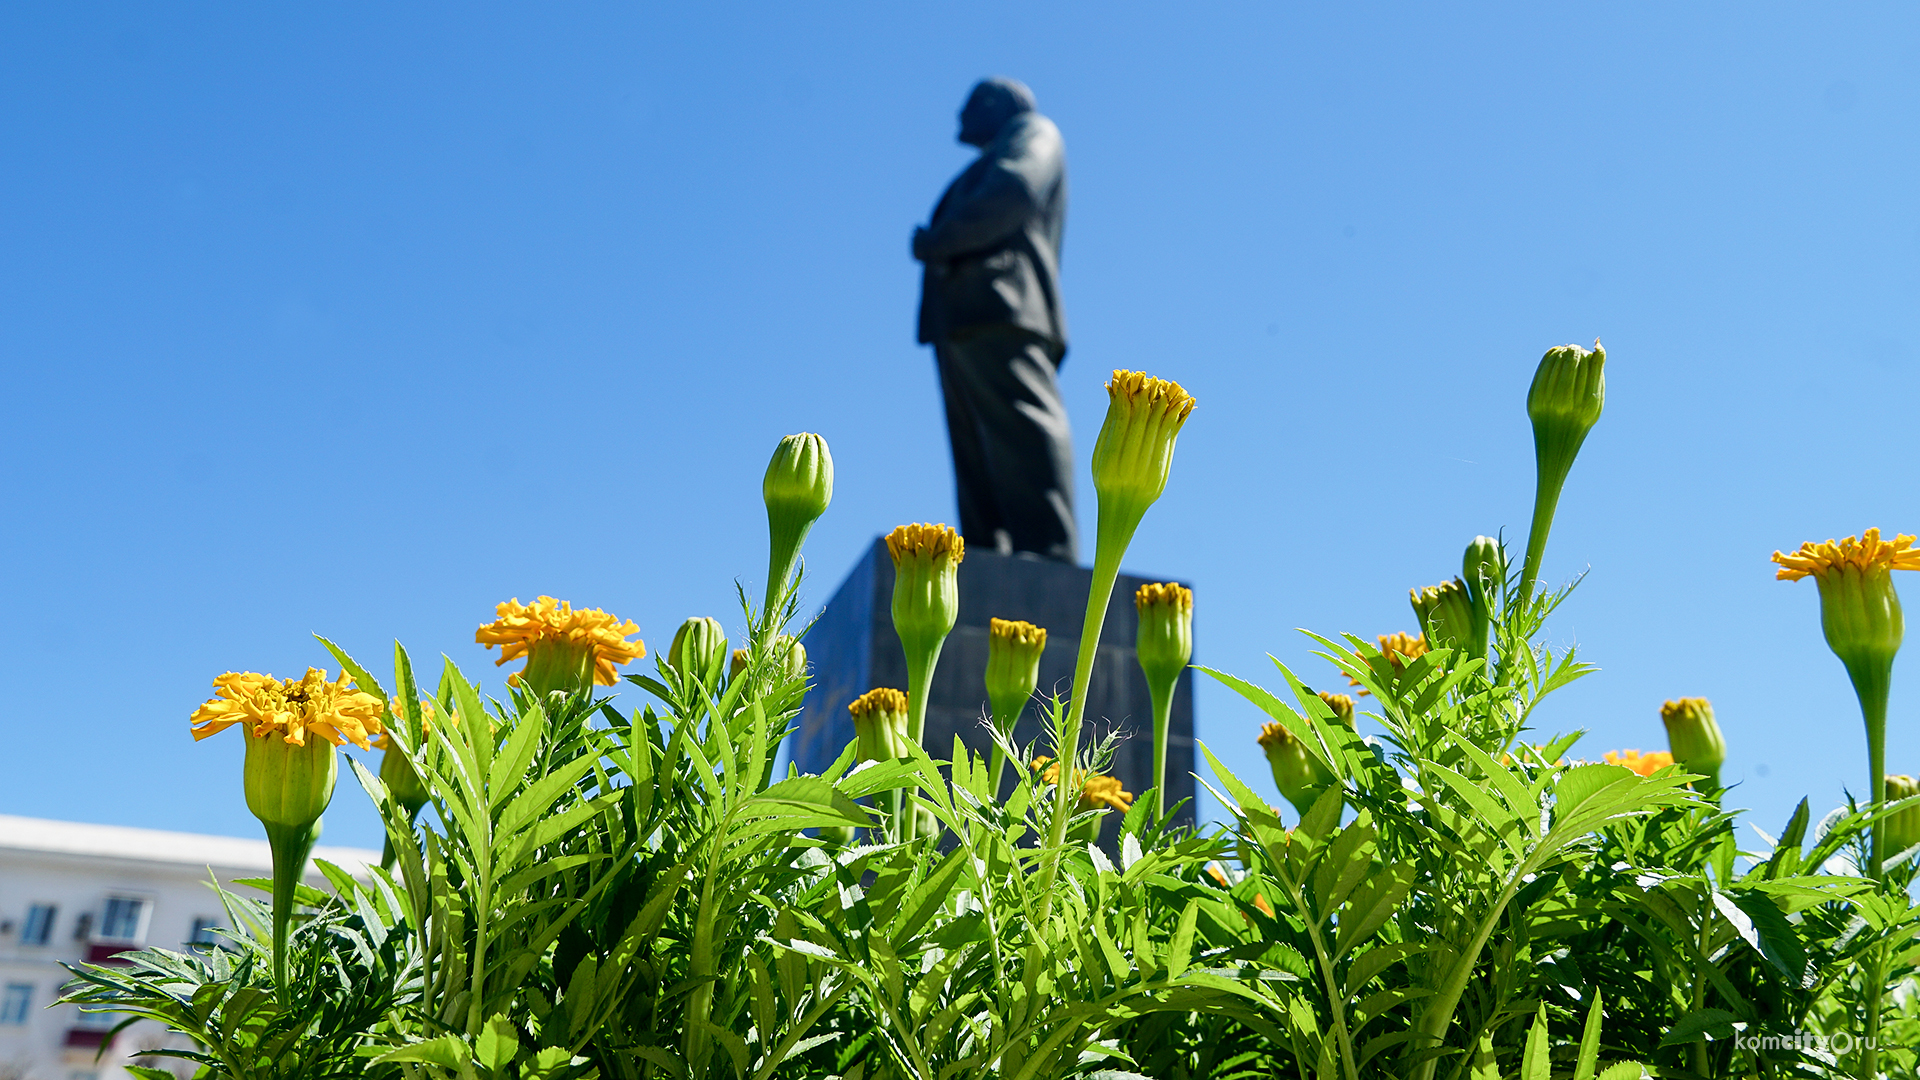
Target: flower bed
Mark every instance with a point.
(627, 894)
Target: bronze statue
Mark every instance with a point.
(990, 307)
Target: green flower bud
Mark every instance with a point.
(1694, 737)
(1484, 569)
(1341, 704)
(1447, 616)
(1134, 452)
(880, 724)
(1569, 389)
(289, 784)
(1164, 645)
(798, 486)
(926, 603)
(1903, 826)
(1013, 666)
(1165, 639)
(402, 781)
(792, 654)
(698, 648)
(1296, 772)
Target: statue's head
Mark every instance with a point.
(993, 102)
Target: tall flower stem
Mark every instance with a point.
(1546, 498)
(291, 846)
(1873, 683)
(1162, 721)
(1113, 535)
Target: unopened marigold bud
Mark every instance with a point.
(1165, 638)
(880, 724)
(1013, 666)
(1164, 645)
(402, 781)
(797, 488)
(1484, 569)
(737, 663)
(1296, 771)
(1902, 826)
(698, 647)
(1569, 389)
(791, 655)
(1134, 452)
(1341, 704)
(1446, 614)
(1694, 737)
(926, 603)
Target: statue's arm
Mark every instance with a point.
(994, 209)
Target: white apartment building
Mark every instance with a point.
(71, 892)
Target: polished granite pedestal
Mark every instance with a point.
(853, 649)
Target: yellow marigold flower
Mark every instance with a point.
(1645, 764)
(1096, 790)
(926, 541)
(562, 641)
(1398, 648)
(1867, 552)
(291, 708)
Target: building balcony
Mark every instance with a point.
(88, 1038)
(103, 952)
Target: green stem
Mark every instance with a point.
(783, 551)
(1162, 722)
(919, 687)
(1872, 683)
(1336, 998)
(1434, 1021)
(1112, 539)
(1546, 496)
(700, 966)
(291, 845)
(1699, 1048)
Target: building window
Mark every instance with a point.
(124, 920)
(96, 1021)
(39, 925)
(15, 1003)
(205, 933)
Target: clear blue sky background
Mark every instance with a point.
(357, 319)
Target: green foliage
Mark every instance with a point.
(615, 891)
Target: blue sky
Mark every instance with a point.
(358, 319)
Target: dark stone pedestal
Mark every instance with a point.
(853, 649)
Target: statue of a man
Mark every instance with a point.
(990, 307)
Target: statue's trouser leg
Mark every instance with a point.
(1013, 448)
